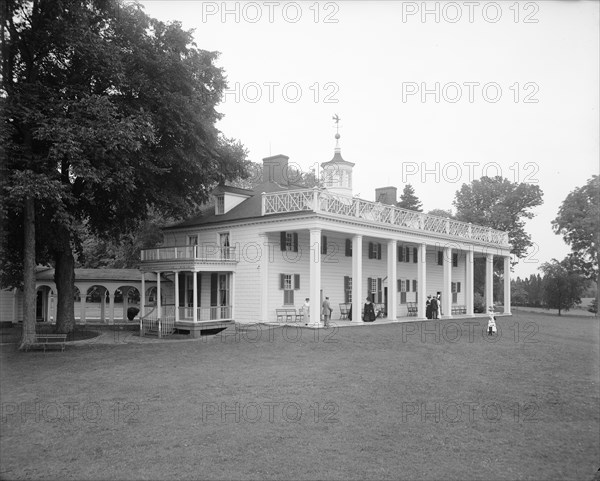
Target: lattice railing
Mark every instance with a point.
(328, 202)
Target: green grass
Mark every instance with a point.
(168, 410)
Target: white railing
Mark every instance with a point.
(213, 313)
(324, 201)
(202, 252)
(163, 324)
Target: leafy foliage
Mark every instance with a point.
(500, 204)
(563, 284)
(442, 213)
(107, 115)
(409, 200)
(578, 221)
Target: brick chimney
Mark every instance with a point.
(275, 169)
(386, 195)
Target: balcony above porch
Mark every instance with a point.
(378, 214)
(208, 257)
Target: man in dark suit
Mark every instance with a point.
(434, 308)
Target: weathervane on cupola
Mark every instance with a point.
(337, 173)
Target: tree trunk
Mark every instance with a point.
(29, 301)
(64, 277)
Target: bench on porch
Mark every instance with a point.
(344, 310)
(48, 340)
(288, 315)
(412, 309)
(459, 310)
(380, 309)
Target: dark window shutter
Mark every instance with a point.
(214, 284)
(182, 289)
(348, 247)
(440, 258)
(370, 250)
(415, 286)
(454, 260)
(281, 281)
(369, 286)
(282, 240)
(323, 244)
(407, 254)
(295, 241)
(415, 255)
(379, 290)
(378, 251)
(398, 285)
(407, 285)
(296, 281)
(458, 287)
(400, 253)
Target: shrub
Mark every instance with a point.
(132, 312)
(478, 303)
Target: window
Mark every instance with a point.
(374, 250)
(440, 259)
(289, 283)
(289, 241)
(220, 205)
(224, 245)
(192, 240)
(454, 260)
(374, 289)
(402, 284)
(347, 289)
(348, 247)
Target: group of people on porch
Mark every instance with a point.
(433, 306)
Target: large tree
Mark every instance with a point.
(562, 284)
(500, 204)
(112, 113)
(578, 221)
(409, 200)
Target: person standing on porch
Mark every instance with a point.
(439, 303)
(327, 310)
(369, 311)
(434, 308)
(306, 311)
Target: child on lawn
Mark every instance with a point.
(491, 321)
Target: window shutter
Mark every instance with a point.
(453, 287)
(379, 290)
(296, 281)
(199, 288)
(458, 287)
(282, 240)
(346, 283)
(281, 281)
(415, 255)
(370, 250)
(295, 241)
(454, 260)
(182, 292)
(369, 286)
(440, 258)
(398, 285)
(415, 286)
(407, 285)
(214, 284)
(400, 253)
(378, 251)
(407, 254)
(323, 244)
(348, 247)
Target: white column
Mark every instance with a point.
(392, 266)
(176, 296)
(447, 281)
(507, 309)
(264, 276)
(195, 296)
(111, 311)
(231, 295)
(422, 280)
(125, 292)
(143, 296)
(489, 280)
(103, 306)
(158, 299)
(83, 296)
(357, 293)
(470, 263)
(315, 277)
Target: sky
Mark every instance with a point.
(435, 94)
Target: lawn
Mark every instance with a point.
(383, 402)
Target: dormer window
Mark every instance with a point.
(220, 205)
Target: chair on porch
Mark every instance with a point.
(344, 310)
